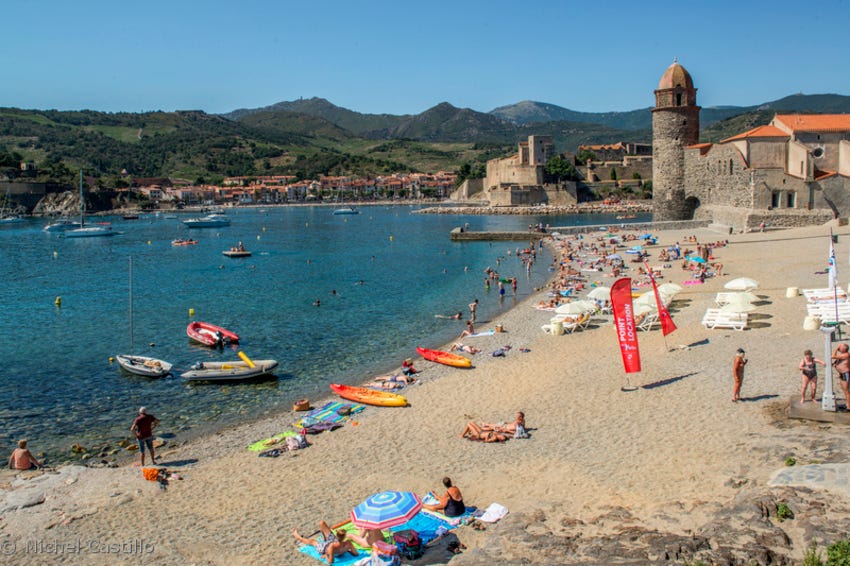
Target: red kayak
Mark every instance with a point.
(445, 358)
(210, 334)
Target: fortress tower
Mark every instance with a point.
(675, 125)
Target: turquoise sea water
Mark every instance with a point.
(59, 387)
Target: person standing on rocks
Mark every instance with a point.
(143, 430)
(738, 373)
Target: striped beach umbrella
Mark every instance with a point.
(386, 509)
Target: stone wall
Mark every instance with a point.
(672, 130)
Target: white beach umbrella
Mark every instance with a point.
(601, 293)
(644, 309)
(742, 297)
(670, 288)
(742, 284)
(737, 308)
(576, 307)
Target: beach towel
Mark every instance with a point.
(329, 412)
(363, 556)
(493, 513)
(271, 442)
(484, 333)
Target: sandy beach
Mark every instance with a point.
(670, 458)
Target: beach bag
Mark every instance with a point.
(150, 474)
(520, 432)
(409, 544)
(384, 554)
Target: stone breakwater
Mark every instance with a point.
(626, 209)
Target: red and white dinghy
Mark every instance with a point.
(210, 334)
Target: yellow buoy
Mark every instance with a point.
(191, 312)
(58, 301)
(391, 238)
(111, 359)
(264, 228)
(149, 242)
(246, 359)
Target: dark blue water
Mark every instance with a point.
(58, 386)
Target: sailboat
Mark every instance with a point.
(343, 209)
(87, 231)
(6, 217)
(140, 365)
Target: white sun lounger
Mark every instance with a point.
(714, 318)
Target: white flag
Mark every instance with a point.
(833, 272)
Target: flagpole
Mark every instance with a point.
(828, 397)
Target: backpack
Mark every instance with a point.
(409, 544)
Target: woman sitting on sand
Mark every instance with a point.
(474, 431)
(451, 502)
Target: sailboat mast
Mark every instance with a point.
(131, 305)
(82, 202)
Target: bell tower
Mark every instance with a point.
(675, 125)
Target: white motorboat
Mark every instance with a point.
(213, 220)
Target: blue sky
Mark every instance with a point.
(402, 57)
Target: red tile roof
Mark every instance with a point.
(760, 132)
(814, 122)
(823, 174)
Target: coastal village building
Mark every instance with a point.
(794, 171)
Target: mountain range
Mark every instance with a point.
(311, 137)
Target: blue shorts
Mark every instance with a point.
(844, 375)
(145, 442)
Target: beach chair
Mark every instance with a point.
(648, 322)
(714, 319)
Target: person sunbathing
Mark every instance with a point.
(367, 537)
(458, 347)
(330, 545)
(474, 431)
(392, 382)
(509, 428)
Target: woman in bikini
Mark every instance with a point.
(330, 544)
(474, 431)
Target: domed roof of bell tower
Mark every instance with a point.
(676, 76)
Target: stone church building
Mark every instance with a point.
(794, 171)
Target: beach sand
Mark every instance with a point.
(668, 457)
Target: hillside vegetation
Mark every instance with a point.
(312, 137)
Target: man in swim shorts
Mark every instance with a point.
(143, 429)
(841, 361)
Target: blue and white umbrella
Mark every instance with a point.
(386, 509)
